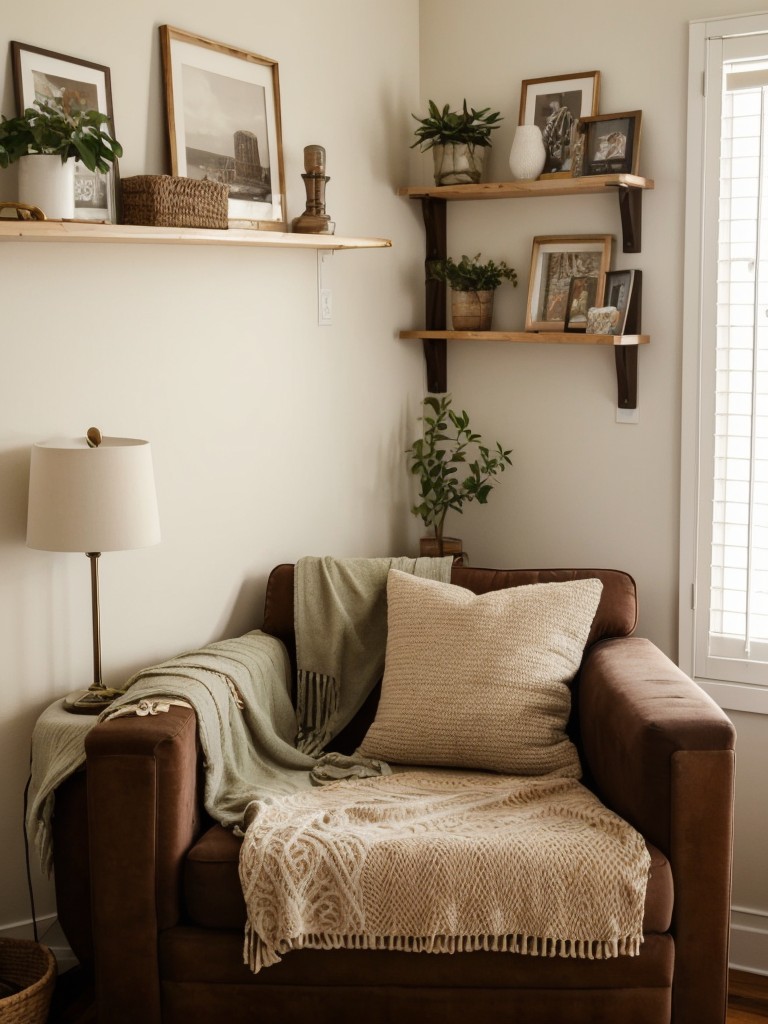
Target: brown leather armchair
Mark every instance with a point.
(160, 915)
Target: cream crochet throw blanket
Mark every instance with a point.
(443, 861)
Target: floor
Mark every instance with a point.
(73, 1002)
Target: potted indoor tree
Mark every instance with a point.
(46, 141)
(472, 285)
(459, 141)
(454, 466)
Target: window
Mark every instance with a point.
(724, 549)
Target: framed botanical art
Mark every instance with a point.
(582, 293)
(555, 261)
(611, 143)
(74, 85)
(223, 109)
(556, 104)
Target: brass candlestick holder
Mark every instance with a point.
(314, 220)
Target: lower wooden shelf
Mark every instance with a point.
(624, 346)
(533, 337)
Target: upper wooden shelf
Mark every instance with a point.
(89, 231)
(590, 185)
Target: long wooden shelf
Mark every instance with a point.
(590, 185)
(89, 231)
(534, 337)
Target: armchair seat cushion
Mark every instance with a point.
(214, 896)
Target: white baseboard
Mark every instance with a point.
(749, 940)
(50, 933)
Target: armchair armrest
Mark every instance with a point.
(143, 812)
(660, 753)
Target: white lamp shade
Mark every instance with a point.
(92, 499)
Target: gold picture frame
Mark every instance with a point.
(224, 123)
(555, 261)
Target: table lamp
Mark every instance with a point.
(92, 494)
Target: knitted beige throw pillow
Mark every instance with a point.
(481, 681)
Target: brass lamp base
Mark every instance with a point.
(91, 701)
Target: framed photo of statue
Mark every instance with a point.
(223, 113)
(73, 85)
(556, 104)
(556, 260)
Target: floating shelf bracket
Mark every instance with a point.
(631, 211)
(435, 349)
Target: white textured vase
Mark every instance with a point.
(46, 182)
(528, 155)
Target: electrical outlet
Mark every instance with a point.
(325, 311)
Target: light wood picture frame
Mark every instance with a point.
(555, 104)
(555, 261)
(224, 123)
(72, 84)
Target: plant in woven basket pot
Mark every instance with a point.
(46, 141)
(459, 141)
(473, 285)
(454, 466)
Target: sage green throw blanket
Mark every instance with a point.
(340, 617)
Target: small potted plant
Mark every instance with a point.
(46, 141)
(448, 445)
(459, 141)
(472, 285)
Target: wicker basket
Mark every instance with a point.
(27, 975)
(164, 201)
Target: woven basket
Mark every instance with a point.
(164, 201)
(28, 975)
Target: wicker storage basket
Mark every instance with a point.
(164, 201)
(27, 975)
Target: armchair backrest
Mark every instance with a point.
(616, 614)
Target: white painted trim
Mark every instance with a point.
(737, 696)
(24, 929)
(49, 932)
(749, 940)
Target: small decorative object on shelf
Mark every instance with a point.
(314, 220)
(448, 444)
(528, 154)
(472, 285)
(459, 141)
(169, 201)
(602, 320)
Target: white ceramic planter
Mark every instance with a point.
(46, 182)
(528, 154)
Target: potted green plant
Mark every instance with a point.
(46, 141)
(447, 446)
(459, 141)
(472, 285)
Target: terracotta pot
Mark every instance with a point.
(472, 311)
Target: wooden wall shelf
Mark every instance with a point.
(88, 231)
(434, 200)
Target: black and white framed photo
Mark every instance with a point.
(223, 108)
(611, 143)
(73, 85)
(555, 261)
(623, 291)
(556, 104)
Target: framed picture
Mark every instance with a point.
(72, 84)
(611, 143)
(223, 108)
(582, 294)
(556, 104)
(623, 291)
(555, 261)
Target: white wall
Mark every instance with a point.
(272, 437)
(585, 490)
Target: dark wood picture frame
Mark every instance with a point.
(611, 143)
(623, 289)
